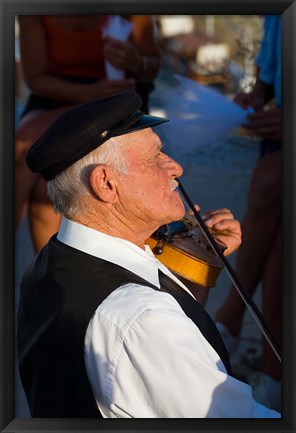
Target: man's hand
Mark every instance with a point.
(257, 98)
(224, 228)
(246, 100)
(266, 124)
(122, 55)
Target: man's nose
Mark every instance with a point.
(175, 168)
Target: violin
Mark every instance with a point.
(179, 246)
(182, 247)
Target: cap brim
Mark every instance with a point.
(146, 121)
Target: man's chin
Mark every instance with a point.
(178, 215)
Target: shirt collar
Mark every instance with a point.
(115, 250)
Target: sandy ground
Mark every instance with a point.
(213, 178)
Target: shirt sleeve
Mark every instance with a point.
(162, 367)
(269, 56)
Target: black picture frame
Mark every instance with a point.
(8, 10)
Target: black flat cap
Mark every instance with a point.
(85, 127)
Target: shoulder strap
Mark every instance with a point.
(198, 315)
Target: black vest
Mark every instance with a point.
(59, 294)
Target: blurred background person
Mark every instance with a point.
(262, 221)
(63, 62)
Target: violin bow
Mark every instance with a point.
(252, 307)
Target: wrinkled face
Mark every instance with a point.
(147, 192)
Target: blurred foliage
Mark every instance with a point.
(242, 34)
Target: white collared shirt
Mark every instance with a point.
(144, 357)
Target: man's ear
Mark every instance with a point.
(103, 182)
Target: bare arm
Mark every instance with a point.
(264, 123)
(41, 82)
(139, 56)
(260, 95)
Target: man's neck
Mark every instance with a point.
(107, 221)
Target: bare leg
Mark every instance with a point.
(271, 288)
(27, 132)
(43, 221)
(259, 226)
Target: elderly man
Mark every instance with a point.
(101, 331)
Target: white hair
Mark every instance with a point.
(67, 188)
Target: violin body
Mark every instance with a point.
(185, 253)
